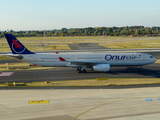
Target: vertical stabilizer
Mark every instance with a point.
(16, 46)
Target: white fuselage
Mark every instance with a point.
(113, 59)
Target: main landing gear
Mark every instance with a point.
(80, 70)
(141, 69)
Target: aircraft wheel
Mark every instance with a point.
(84, 71)
(79, 71)
(141, 69)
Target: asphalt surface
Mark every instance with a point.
(9, 61)
(81, 88)
(67, 73)
(98, 49)
(85, 46)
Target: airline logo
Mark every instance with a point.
(17, 47)
(16, 44)
(121, 57)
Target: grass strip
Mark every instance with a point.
(21, 66)
(3, 57)
(155, 43)
(92, 82)
(158, 61)
(61, 43)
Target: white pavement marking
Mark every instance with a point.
(6, 73)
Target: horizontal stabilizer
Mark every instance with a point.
(19, 57)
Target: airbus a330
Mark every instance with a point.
(96, 61)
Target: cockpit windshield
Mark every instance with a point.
(151, 56)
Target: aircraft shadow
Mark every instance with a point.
(129, 72)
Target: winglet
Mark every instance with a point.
(61, 59)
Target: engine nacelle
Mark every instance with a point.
(101, 67)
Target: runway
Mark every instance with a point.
(67, 73)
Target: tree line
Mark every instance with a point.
(89, 31)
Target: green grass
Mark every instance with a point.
(155, 43)
(37, 47)
(21, 66)
(35, 43)
(68, 38)
(93, 82)
(3, 57)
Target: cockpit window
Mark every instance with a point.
(151, 56)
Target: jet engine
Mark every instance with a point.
(101, 67)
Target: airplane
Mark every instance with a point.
(96, 61)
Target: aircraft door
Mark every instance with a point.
(143, 57)
(73, 57)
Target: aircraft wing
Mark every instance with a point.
(74, 62)
(82, 62)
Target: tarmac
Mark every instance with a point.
(67, 73)
(91, 103)
(81, 104)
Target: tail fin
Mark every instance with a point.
(16, 46)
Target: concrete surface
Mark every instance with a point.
(81, 104)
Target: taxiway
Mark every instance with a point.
(66, 73)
